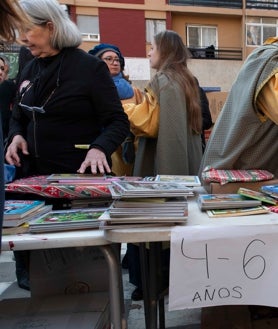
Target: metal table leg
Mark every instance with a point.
(144, 267)
(118, 320)
(152, 285)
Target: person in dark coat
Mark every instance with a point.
(65, 97)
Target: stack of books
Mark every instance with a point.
(18, 212)
(66, 220)
(245, 202)
(147, 203)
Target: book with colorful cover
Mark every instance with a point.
(187, 180)
(16, 222)
(270, 190)
(256, 195)
(237, 212)
(62, 220)
(15, 209)
(225, 201)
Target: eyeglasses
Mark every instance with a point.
(111, 60)
(39, 109)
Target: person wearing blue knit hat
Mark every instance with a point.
(100, 49)
(123, 158)
(115, 61)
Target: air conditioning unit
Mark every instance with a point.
(90, 36)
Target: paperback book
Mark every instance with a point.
(148, 189)
(187, 180)
(64, 220)
(15, 209)
(16, 222)
(238, 212)
(256, 195)
(270, 190)
(225, 201)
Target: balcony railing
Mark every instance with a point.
(9, 48)
(217, 53)
(207, 3)
(263, 4)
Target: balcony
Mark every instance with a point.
(263, 4)
(216, 53)
(9, 48)
(209, 3)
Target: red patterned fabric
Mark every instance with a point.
(224, 176)
(38, 185)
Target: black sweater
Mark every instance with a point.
(84, 109)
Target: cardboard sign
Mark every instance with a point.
(223, 265)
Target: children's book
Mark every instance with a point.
(16, 222)
(238, 212)
(256, 195)
(271, 190)
(15, 209)
(187, 180)
(63, 220)
(225, 201)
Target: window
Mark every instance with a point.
(153, 27)
(201, 36)
(259, 29)
(89, 27)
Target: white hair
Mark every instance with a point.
(66, 33)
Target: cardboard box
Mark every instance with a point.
(67, 271)
(216, 102)
(87, 311)
(215, 188)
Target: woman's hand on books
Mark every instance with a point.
(96, 160)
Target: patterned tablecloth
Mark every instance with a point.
(38, 185)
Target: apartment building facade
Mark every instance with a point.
(219, 34)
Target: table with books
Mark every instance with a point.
(144, 211)
(19, 238)
(154, 236)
